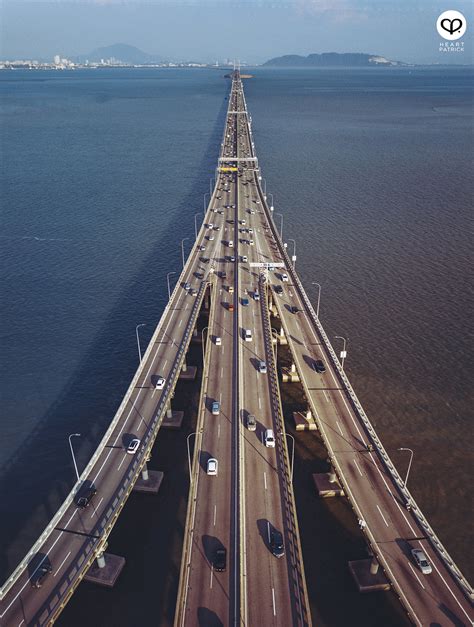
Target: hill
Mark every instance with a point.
(331, 59)
(121, 52)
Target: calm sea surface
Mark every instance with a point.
(103, 172)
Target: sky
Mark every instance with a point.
(249, 30)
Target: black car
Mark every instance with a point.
(276, 543)
(319, 366)
(278, 289)
(41, 572)
(220, 559)
(85, 495)
(295, 310)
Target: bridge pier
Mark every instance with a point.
(172, 419)
(149, 482)
(188, 373)
(327, 484)
(367, 575)
(106, 568)
(284, 341)
(304, 421)
(290, 375)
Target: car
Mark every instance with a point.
(193, 292)
(232, 259)
(251, 242)
(248, 335)
(421, 561)
(242, 222)
(230, 289)
(244, 259)
(85, 495)
(276, 543)
(278, 289)
(251, 422)
(220, 559)
(202, 248)
(262, 367)
(250, 231)
(216, 408)
(217, 228)
(231, 244)
(210, 225)
(187, 286)
(210, 237)
(212, 466)
(223, 274)
(295, 310)
(284, 277)
(160, 383)
(256, 295)
(199, 275)
(245, 302)
(269, 438)
(230, 306)
(204, 259)
(43, 570)
(319, 366)
(218, 340)
(133, 446)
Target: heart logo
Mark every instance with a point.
(453, 25)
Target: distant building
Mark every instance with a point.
(57, 59)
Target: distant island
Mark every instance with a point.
(331, 59)
(123, 53)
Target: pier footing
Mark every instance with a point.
(108, 575)
(150, 485)
(367, 581)
(302, 423)
(325, 488)
(189, 374)
(174, 421)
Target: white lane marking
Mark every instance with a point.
(357, 466)
(60, 566)
(416, 575)
(452, 593)
(123, 459)
(96, 507)
(339, 427)
(36, 569)
(327, 396)
(212, 573)
(383, 517)
(273, 599)
(219, 430)
(259, 403)
(220, 397)
(20, 624)
(223, 349)
(215, 514)
(265, 479)
(180, 322)
(222, 372)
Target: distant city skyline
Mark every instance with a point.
(250, 30)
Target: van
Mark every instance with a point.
(269, 438)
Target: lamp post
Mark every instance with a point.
(189, 453)
(74, 435)
(202, 342)
(288, 435)
(409, 463)
(168, 281)
(195, 225)
(281, 224)
(319, 297)
(271, 206)
(182, 248)
(211, 181)
(343, 353)
(138, 340)
(204, 202)
(293, 257)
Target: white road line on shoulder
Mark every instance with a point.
(215, 514)
(383, 517)
(416, 575)
(265, 479)
(273, 599)
(357, 466)
(20, 624)
(60, 566)
(259, 403)
(339, 427)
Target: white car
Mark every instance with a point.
(248, 335)
(269, 438)
(218, 341)
(133, 446)
(421, 561)
(284, 277)
(212, 466)
(160, 383)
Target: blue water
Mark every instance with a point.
(103, 172)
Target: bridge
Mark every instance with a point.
(244, 507)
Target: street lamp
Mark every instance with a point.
(343, 353)
(271, 206)
(195, 225)
(202, 342)
(182, 248)
(138, 341)
(168, 281)
(293, 257)
(281, 224)
(210, 186)
(319, 297)
(409, 463)
(204, 203)
(74, 435)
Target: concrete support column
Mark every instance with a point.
(145, 475)
(195, 332)
(293, 367)
(374, 566)
(169, 411)
(184, 368)
(332, 476)
(101, 560)
(282, 332)
(309, 415)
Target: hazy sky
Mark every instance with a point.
(252, 30)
